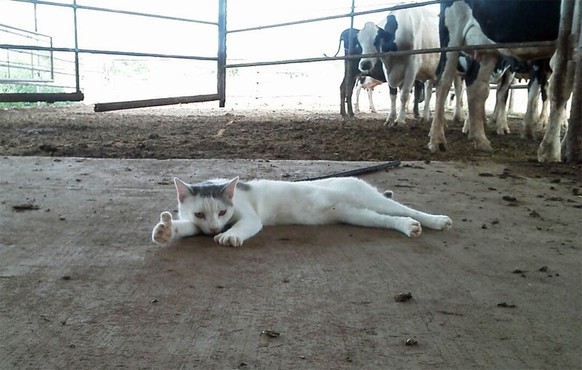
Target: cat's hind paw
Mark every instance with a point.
(411, 227)
(228, 240)
(439, 222)
(163, 232)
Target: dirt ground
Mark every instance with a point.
(187, 132)
(195, 133)
(83, 287)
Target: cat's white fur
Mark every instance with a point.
(240, 212)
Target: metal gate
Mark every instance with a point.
(36, 56)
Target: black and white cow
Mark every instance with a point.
(473, 22)
(409, 29)
(352, 46)
(349, 37)
(506, 69)
(367, 84)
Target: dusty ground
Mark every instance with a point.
(83, 287)
(299, 134)
(188, 132)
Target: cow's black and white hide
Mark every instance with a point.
(349, 37)
(539, 75)
(507, 69)
(474, 22)
(409, 29)
(367, 84)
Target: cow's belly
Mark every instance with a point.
(428, 64)
(529, 53)
(396, 68)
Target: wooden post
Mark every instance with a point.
(221, 64)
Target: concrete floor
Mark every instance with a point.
(83, 287)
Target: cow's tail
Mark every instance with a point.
(338, 48)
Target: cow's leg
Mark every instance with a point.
(426, 113)
(500, 112)
(418, 97)
(343, 97)
(561, 83)
(477, 93)
(371, 100)
(351, 74)
(543, 120)
(415, 103)
(343, 89)
(437, 129)
(560, 90)
(466, 125)
(458, 115)
(392, 116)
(405, 93)
(357, 103)
(349, 91)
(533, 92)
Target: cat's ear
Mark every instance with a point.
(229, 189)
(181, 189)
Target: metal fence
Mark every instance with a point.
(76, 50)
(25, 66)
(220, 59)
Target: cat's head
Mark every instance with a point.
(209, 205)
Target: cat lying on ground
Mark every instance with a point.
(234, 211)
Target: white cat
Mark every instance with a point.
(234, 211)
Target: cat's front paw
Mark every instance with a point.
(228, 239)
(411, 227)
(439, 222)
(163, 232)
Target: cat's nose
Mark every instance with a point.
(213, 230)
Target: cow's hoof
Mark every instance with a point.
(483, 147)
(458, 118)
(529, 134)
(547, 153)
(503, 131)
(434, 147)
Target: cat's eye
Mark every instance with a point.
(199, 215)
(222, 213)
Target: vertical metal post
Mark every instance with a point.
(352, 14)
(52, 56)
(574, 133)
(36, 88)
(221, 64)
(348, 63)
(77, 74)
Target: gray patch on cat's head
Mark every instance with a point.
(243, 186)
(210, 189)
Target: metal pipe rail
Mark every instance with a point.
(548, 44)
(78, 95)
(338, 16)
(221, 60)
(118, 11)
(104, 52)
